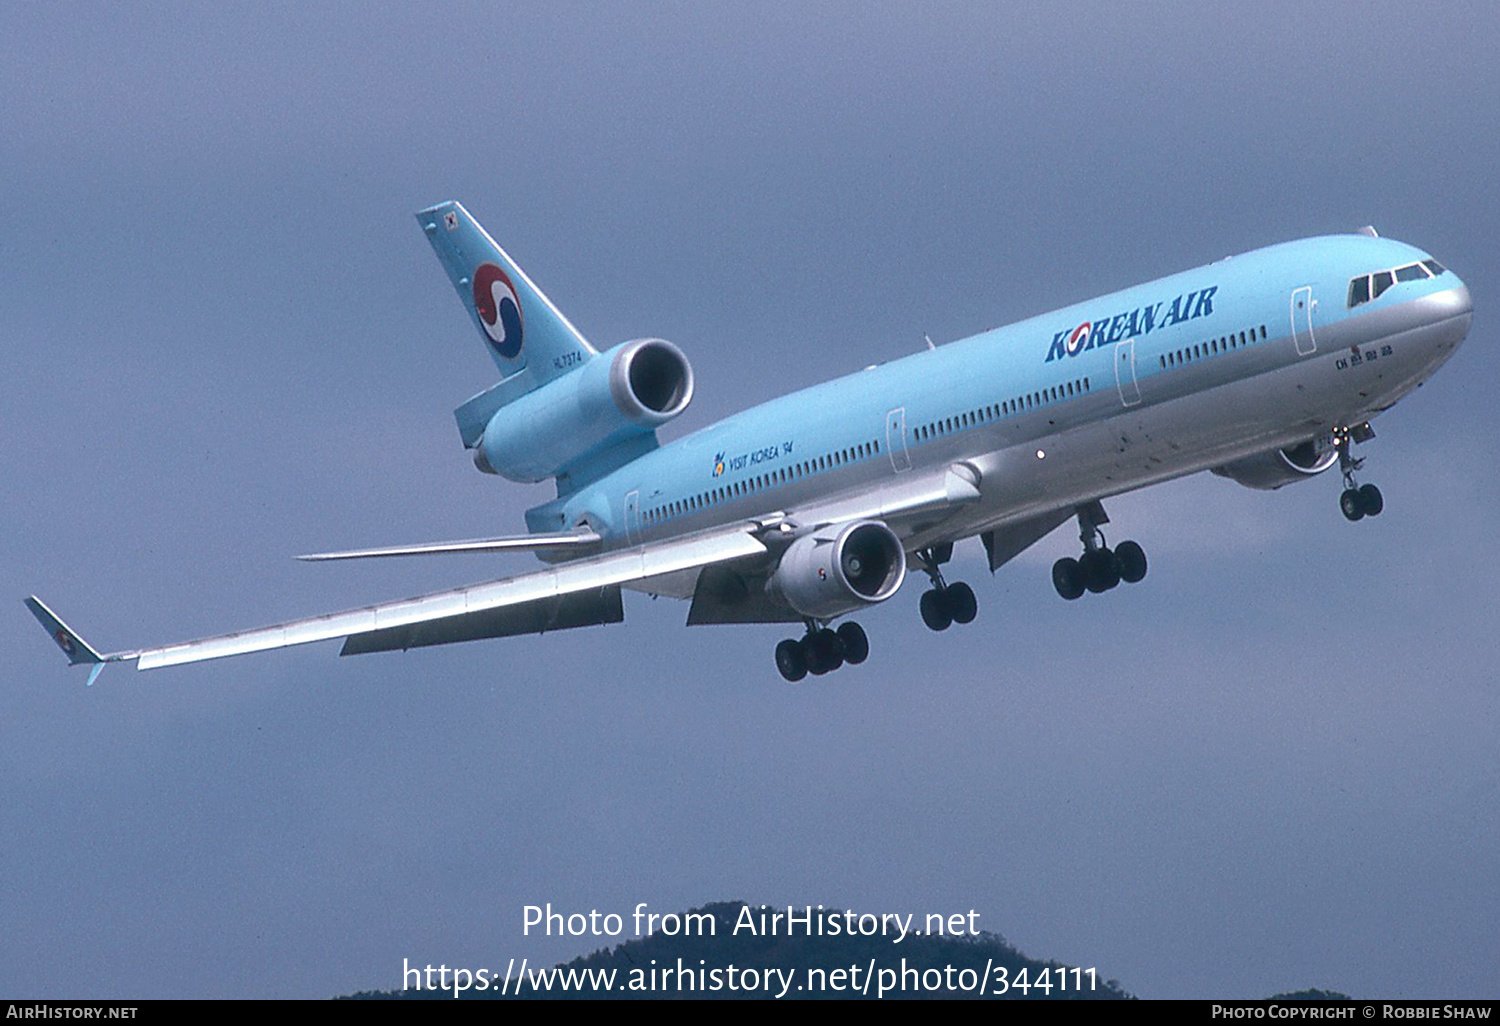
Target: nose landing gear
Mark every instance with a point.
(1099, 569)
(1357, 501)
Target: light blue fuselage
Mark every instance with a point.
(1192, 371)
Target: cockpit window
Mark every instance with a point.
(1369, 286)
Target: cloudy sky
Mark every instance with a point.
(224, 341)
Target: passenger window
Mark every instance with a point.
(1359, 291)
(1383, 281)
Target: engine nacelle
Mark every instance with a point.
(1279, 467)
(840, 569)
(628, 391)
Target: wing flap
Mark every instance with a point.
(1006, 543)
(559, 612)
(591, 573)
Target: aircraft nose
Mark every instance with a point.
(1457, 299)
(1462, 302)
(1450, 303)
(1447, 316)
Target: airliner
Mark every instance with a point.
(1265, 368)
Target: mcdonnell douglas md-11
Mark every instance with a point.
(1263, 368)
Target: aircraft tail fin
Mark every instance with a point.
(521, 328)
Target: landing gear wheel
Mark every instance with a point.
(1068, 578)
(1100, 572)
(961, 603)
(825, 652)
(1370, 500)
(856, 644)
(935, 612)
(1351, 504)
(1131, 560)
(791, 660)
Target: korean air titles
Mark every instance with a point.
(1130, 323)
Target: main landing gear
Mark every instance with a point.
(1098, 569)
(1357, 501)
(822, 650)
(945, 604)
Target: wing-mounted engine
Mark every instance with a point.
(840, 569)
(1277, 467)
(593, 419)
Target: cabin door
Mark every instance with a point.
(1130, 393)
(895, 440)
(633, 517)
(1302, 325)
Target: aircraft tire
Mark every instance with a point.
(1370, 500)
(1131, 559)
(935, 612)
(825, 652)
(962, 605)
(1351, 505)
(1068, 578)
(791, 661)
(1100, 573)
(856, 643)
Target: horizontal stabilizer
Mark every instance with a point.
(514, 542)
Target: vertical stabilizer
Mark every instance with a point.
(521, 328)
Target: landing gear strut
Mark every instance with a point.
(1099, 569)
(945, 604)
(822, 650)
(1357, 501)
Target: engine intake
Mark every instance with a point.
(1277, 467)
(840, 569)
(651, 380)
(622, 394)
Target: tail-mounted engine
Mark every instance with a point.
(840, 569)
(1279, 467)
(620, 396)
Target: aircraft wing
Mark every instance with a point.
(568, 595)
(581, 539)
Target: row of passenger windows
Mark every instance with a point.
(760, 482)
(1370, 286)
(1213, 347)
(1006, 408)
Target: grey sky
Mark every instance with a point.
(225, 342)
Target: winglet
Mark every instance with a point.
(78, 651)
